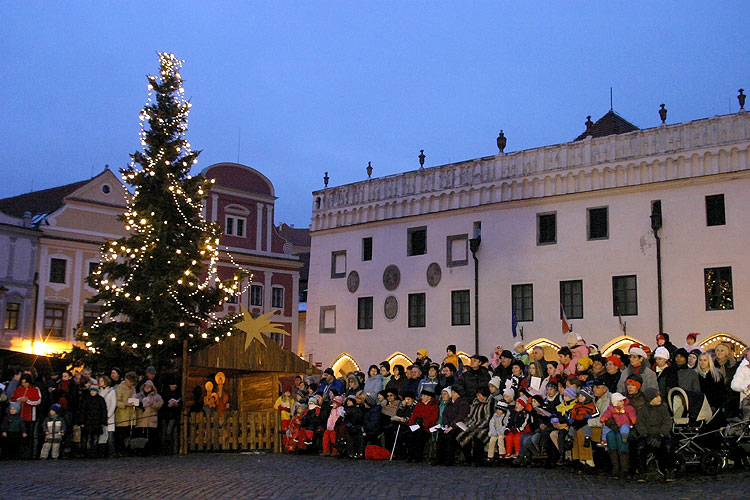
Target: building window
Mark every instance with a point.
(571, 298)
(338, 264)
(256, 295)
(625, 295)
(327, 319)
(457, 250)
(57, 270)
(416, 241)
(277, 297)
(460, 308)
(93, 266)
(718, 283)
(232, 299)
(235, 226)
(715, 214)
(364, 313)
(523, 301)
(11, 315)
(598, 223)
(90, 313)
(416, 310)
(546, 229)
(54, 320)
(367, 248)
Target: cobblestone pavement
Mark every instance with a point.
(266, 476)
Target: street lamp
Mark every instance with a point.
(656, 224)
(474, 247)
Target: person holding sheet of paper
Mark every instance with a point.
(423, 417)
(453, 415)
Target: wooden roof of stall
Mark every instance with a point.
(230, 354)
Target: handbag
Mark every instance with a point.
(136, 443)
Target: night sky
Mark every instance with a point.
(308, 87)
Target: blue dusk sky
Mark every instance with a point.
(310, 86)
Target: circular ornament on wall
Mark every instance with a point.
(391, 277)
(352, 281)
(390, 307)
(434, 273)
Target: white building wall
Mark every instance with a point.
(509, 253)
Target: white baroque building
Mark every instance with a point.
(564, 224)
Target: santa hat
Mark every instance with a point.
(693, 336)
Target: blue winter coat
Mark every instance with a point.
(372, 420)
(374, 385)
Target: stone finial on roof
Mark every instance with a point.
(663, 113)
(421, 158)
(589, 123)
(326, 179)
(502, 141)
(741, 98)
(369, 169)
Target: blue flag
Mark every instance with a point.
(514, 322)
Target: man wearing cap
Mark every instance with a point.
(150, 375)
(328, 382)
(477, 377)
(602, 398)
(425, 415)
(637, 366)
(504, 370)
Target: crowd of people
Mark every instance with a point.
(80, 414)
(582, 409)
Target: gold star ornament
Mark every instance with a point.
(254, 328)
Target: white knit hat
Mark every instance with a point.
(661, 352)
(616, 397)
(637, 351)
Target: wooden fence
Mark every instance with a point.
(236, 431)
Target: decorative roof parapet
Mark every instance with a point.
(639, 157)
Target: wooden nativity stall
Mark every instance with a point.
(253, 372)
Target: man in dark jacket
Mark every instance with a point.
(477, 377)
(654, 426)
(504, 369)
(169, 416)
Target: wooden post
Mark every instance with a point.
(185, 410)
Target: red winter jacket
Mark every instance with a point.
(428, 412)
(28, 407)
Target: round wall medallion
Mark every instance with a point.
(391, 277)
(390, 307)
(352, 281)
(434, 274)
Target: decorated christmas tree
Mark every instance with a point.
(159, 286)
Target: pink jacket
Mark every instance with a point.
(622, 416)
(579, 351)
(333, 417)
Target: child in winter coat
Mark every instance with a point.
(312, 419)
(518, 423)
(284, 405)
(54, 429)
(13, 431)
(329, 436)
(498, 424)
(619, 417)
(582, 411)
(295, 434)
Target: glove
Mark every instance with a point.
(506, 432)
(571, 420)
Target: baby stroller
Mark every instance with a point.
(695, 432)
(736, 435)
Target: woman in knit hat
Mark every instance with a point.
(654, 427)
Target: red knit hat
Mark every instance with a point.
(693, 335)
(617, 361)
